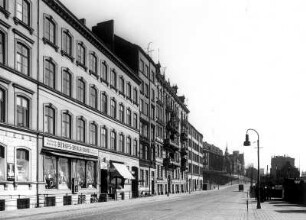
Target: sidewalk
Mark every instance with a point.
(105, 205)
(275, 210)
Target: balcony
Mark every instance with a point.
(184, 151)
(172, 126)
(170, 164)
(184, 137)
(171, 145)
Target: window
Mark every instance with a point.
(2, 47)
(66, 81)
(93, 99)
(103, 137)
(129, 91)
(66, 125)
(141, 66)
(121, 113)
(2, 105)
(121, 143)
(135, 96)
(135, 121)
(128, 146)
(81, 90)
(49, 33)
(2, 163)
(140, 150)
(134, 151)
(23, 112)
(113, 108)
(146, 73)
(121, 85)
(22, 58)
(81, 54)
(67, 43)
(22, 165)
(152, 95)
(104, 72)
(93, 63)
(128, 117)
(113, 79)
(153, 112)
(49, 120)
(93, 134)
(113, 140)
(146, 92)
(49, 78)
(84, 172)
(2, 3)
(23, 11)
(104, 103)
(81, 130)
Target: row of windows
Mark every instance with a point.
(145, 70)
(107, 75)
(124, 145)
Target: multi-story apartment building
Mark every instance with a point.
(68, 108)
(141, 63)
(195, 159)
(278, 162)
(172, 128)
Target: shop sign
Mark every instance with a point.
(62, 145)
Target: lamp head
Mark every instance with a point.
(247, 141)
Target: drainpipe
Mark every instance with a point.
(37, 113)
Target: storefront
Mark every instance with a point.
(118, 176)
(69, 173)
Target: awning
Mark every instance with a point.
(123, 171)
(71, 156)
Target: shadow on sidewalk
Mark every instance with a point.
(292, 211)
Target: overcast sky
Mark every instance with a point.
(240, 63)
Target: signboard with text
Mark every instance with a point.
(62, 145)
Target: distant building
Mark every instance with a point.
(234, 163)
(277, 162)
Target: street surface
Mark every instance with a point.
(226, 203)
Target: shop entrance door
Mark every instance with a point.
(135, 182)
(104, 183)
(153, 187)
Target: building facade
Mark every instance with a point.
(69, 127)
(195, 159)
(278, 162)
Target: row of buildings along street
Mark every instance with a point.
(86, 115)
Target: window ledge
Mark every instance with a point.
(94, 74)
(5, 12)
(65, 54)
(78, 63)
(26, 26)
(104, 81)
(121, 93)
(113, 87)
(46, 41)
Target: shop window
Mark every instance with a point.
(2, 163)
(23, 112)
(49, 73)
(103, 137)
(90, 174)
(66, 125)
(22, 163)
(84, 172)
(66, 82)
(93, 134)
(104, 103)
(93, 99)
(50, 173)
(63, 173)
(49, 120)
(23, 58)
(23, 11)
(2, 105)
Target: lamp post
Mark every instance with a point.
(248, 143)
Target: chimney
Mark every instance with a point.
(105, 31)
(83, 21)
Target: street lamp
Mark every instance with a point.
(248, 143)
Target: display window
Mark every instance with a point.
(2, 163)
(22, 165)
(90, 178)
(63, 173)
(50, 172)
